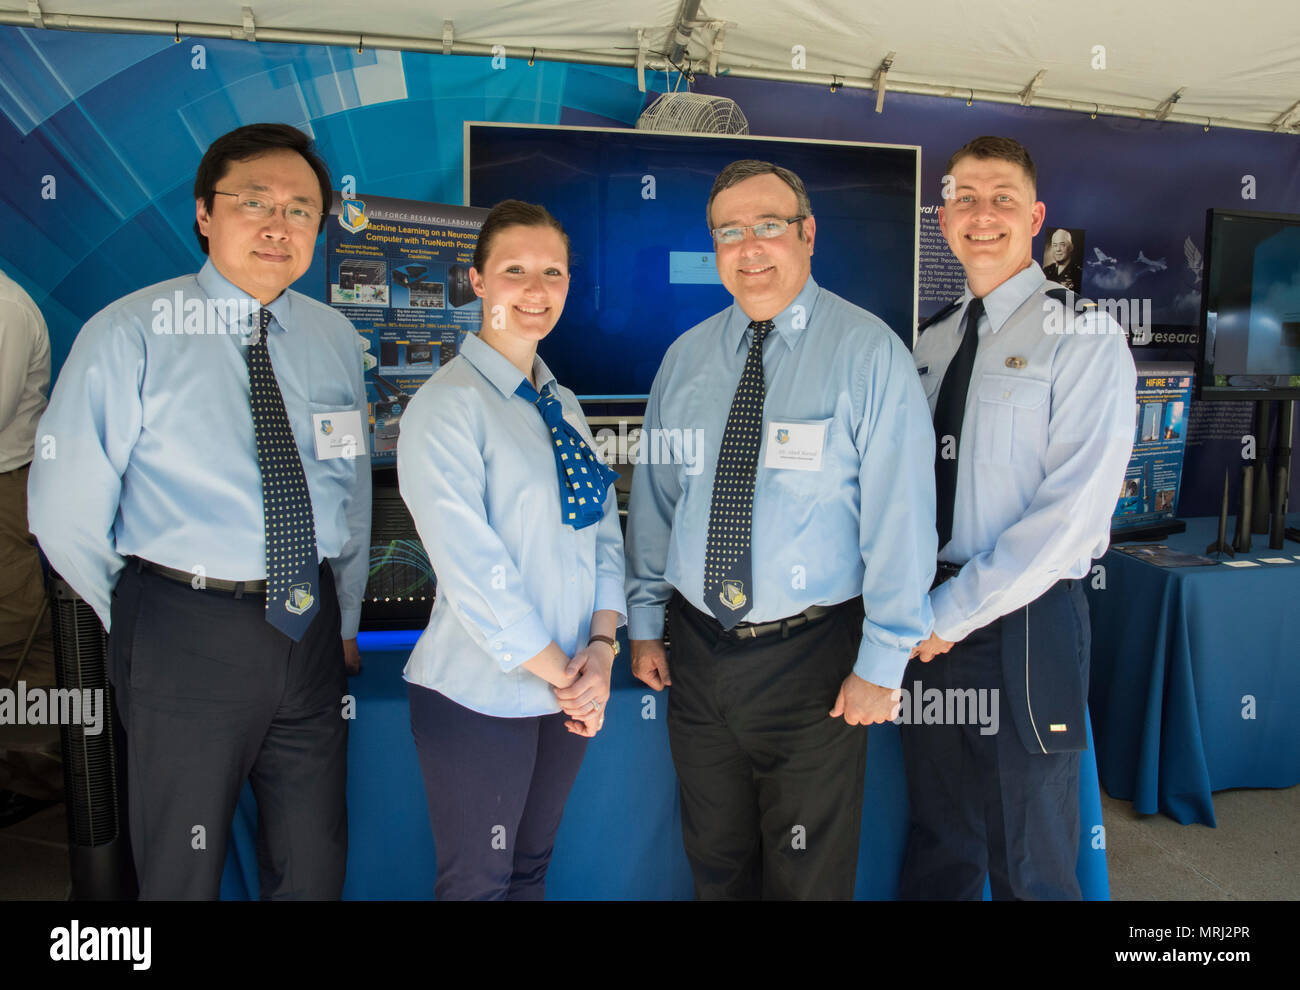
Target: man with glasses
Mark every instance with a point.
(207, 491)
(793, 568)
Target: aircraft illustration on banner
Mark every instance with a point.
(1102, 258)
(1152, 266)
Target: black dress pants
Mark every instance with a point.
(212, 695)
(771, 785)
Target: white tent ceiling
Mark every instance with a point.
(1222, 64)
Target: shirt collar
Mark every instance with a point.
(788, 328)
(496, 367)
(217, 286)
(1009, 296)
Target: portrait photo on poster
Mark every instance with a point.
(1063, 256)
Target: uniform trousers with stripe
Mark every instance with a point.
(984, 805)
(771, 785)
(496, 789)
(212, 695)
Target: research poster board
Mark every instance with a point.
(1149, 492)
(399, 270)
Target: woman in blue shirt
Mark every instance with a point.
(511, 677)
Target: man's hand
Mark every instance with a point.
(351, 657)
(650, 662)
(864, 703)
(931, 648)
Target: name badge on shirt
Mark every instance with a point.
(338, 434)
(795, 446)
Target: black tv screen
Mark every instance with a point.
(1250, 306)
(643, 271)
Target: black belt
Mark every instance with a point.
(943, 571)
(236, 588)
(754, 630)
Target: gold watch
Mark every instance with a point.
(611, 643)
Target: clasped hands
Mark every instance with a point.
(928, 649)
(584, 698)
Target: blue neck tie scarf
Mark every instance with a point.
(584, 480)
(292, 570)
(728, 567)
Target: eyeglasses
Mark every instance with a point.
(262, 207)
(765, 230)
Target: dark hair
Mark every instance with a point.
(748, 168)
(250, 142)
(1006, 149)
(514, 213)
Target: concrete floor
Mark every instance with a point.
(1252, 855)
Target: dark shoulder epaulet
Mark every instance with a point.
(1067, 298)
(939, 315)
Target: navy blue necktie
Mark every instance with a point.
(728, 567)
(949, 411)
(292, 568)
(584, 480)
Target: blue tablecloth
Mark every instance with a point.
(1195, 676)
(621, 834)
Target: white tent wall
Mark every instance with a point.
(1196, 61)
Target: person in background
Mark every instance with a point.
(31, 775)
(208, 493)
(1033, 428)
(511, 677)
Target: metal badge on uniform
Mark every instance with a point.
(337, 434)
(1016, 362)
(795, 446)
(1058, 727)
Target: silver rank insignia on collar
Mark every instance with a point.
(1016, 362)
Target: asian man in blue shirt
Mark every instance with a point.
(208, 493)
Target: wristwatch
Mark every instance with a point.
(611, 643)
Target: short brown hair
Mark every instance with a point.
(514, 213)
(989, 146)
(747, 168)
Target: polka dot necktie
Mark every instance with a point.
(949, 411)
(584, 480)
(728, 568)
(292, 570)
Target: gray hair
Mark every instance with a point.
(747, 169)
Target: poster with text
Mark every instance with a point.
(1149, 492)
(399, 270)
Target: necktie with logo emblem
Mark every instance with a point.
(949, 410)
(292, 570)
(728, 567)
(584, 480)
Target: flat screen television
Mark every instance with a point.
(642, 269)
(1250, 306)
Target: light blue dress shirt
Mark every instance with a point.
(147, 446)
(475, 467)
(861, 525)
(1046, 436)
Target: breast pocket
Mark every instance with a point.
(1012, 418)
(784, 452)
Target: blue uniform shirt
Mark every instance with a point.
(147, 446)
(1047, 434)
(476, 470)
(861, 525)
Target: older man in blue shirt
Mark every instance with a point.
(792, 562)
(207, 463)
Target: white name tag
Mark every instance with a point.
(338, 434)
(795, 446)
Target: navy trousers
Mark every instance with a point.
(212, 695)
(983, 805)
(496, 789)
